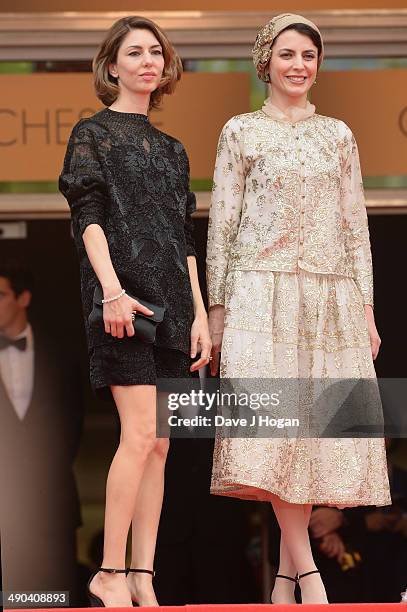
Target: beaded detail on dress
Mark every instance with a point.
(288, 196)
(289, 258)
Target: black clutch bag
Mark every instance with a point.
(145, 326)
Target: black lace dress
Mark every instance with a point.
(123, 174)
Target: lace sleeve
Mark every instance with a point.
(190, 209)
(225, 212)
(82, 182)
(354, 221)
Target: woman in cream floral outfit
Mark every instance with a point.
(291, 293)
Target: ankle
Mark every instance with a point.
(287, 571)
(111, 576)
(283, 589)
(285, 583)
(308, 572)
(312, 589)
(289, 574)
(138, 570)
(140, 577)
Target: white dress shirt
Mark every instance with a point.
(17, 373)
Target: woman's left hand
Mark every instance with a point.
(200, 341)
(375, 341)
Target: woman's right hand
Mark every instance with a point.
(216, 322)
(118, 315)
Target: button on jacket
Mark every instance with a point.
(288, 195)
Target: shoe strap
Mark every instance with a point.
(110, 570)
(141, 571)
(287, 577)
(308, 573)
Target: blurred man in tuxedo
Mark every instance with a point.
(41, 421)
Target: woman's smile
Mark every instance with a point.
(296, 79)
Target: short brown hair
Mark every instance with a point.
(106, 86)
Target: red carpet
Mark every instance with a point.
(390, 607)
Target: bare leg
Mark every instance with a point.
(145, 525)
(307, 513)
(136, 406)
(283, 590)
(293, 520)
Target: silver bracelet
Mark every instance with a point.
(113, 299)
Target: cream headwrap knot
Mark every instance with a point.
(264, 40)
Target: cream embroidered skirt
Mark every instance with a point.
(300, 325)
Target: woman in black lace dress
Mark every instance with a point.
(127, 185)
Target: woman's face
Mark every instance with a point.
(294, 63)
(140, 63)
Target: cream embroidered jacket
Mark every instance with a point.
(288, 196)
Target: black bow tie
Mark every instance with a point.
(20, 343)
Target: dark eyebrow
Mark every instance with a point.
(139, 47)
(291, 51)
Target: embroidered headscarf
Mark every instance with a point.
(264, 41)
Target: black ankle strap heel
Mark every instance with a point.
(308, 574)
(140, 571)
(295, 580)
(96, 602)
(288, 578)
